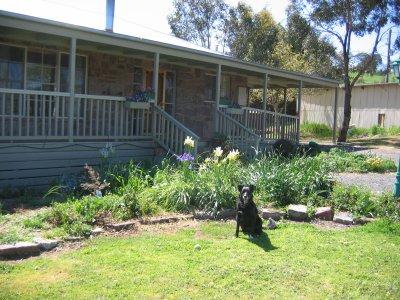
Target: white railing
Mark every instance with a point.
(170, 133)
(268, 125)
(240, 137)
(104, 117)
(40, 115)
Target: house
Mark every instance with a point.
(371, 104)
(66, 91)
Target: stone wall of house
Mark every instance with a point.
(110, 74)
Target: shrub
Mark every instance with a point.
(363, 202)
(354, 199)
(284, 148)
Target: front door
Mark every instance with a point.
(166, 89)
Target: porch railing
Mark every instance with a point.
(170, 133)
(268, 125)
(40, 115)
(240, 136)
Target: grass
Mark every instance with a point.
(374, 78)
(319, 131)
(294, 261)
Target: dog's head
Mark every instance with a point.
(246, 193)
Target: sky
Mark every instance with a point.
(150, 15)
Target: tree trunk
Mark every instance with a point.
(346, 112)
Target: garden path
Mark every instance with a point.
(373, 181)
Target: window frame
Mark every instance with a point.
(25, 59)
(57, 67)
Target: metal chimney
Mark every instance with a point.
(110, 5)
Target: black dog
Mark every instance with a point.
(246, 212)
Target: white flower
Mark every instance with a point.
(189, 142)
(233, 155)
(218, 152)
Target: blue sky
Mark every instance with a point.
(147, 14)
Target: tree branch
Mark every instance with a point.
(370, 59)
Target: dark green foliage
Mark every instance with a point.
(284, 182)
(362, 202)
(284, 148)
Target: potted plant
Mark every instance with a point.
(140, 100)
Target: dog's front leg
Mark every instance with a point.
(237, 222)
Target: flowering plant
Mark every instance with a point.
(185, 157)
(141, 96)
(189, 142)
(218, 152)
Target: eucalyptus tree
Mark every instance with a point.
(198, 21)
(345, 19)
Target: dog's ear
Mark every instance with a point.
(251, 186)
(240, 187)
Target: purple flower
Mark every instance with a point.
(185, 157)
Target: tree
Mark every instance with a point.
(317, 50)
(251, 36)
(352, 17)
(198, 21)
(361, 59)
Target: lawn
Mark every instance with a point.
(295, 260)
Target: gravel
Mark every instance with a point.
(373, 181)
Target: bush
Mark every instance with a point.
(284, 148)
(362, 202)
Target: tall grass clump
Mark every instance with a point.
(316, 130)
(337, 160)
(285, 181)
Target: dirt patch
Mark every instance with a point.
(321, 224)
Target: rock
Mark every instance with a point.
(297, 212)
(228, 213)
(274, 214)
(74, 238)
(271, 224)
(324, 213)
(18, 250)
(97, 231)
(122, 226)
(363, 220)
(222, 214)
(46, 245)
(345, 218)
(197, 247)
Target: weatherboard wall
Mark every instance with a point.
(368, 101)
(41, 164)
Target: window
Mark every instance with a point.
(80, 73)
(41, 70)
(137, 79)
(12, 67)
